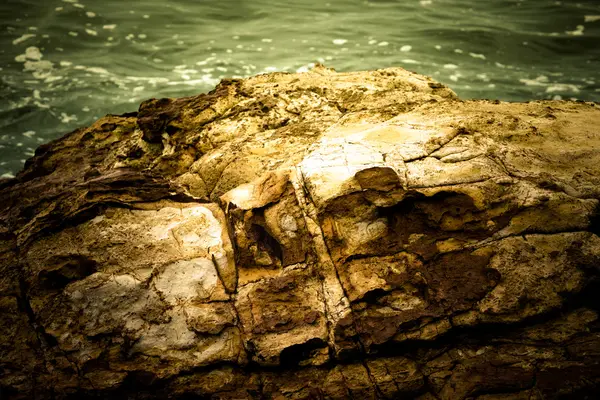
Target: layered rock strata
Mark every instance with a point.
(323, 235)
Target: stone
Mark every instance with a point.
(317, 235)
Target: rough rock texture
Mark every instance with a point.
(322, 235)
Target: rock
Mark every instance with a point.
(321, 235)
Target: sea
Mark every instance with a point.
(66, 63)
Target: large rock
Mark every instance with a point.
(320, 235)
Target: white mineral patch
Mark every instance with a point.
(288, 223)
(195, 228)
(187, 280)
(164, 337)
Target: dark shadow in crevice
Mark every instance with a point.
(67, 269)
(293, 355)
(266, 242)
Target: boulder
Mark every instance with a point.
(320, 235)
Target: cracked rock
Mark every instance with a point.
(320, 235)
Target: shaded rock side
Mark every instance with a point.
(322, 235)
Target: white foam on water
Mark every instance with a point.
(541, 80)
(438, 47)
(29, 134)
(97, 70)
(109, 27)
(266, 40)
(7, 175)
(409, 61)
(476, 55)
(74, 34)
(382, 44)
(577, 32)
(31, 53)
(78, 5)
(406, 48)
(32, 62)
(450, 66)
(90, 14)
(65, 118)
(339, 42)
(562, 87)
(23, 38)
(142, 36)
(91, 32)
(372, 41)
(591, 18)
(65, 63)
(458, 51)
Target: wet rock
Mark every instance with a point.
(322, 235)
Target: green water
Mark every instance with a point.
(65, 63)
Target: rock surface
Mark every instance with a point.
(322, 235)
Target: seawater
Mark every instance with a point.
(66, 63)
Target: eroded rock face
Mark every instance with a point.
(320, 235)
